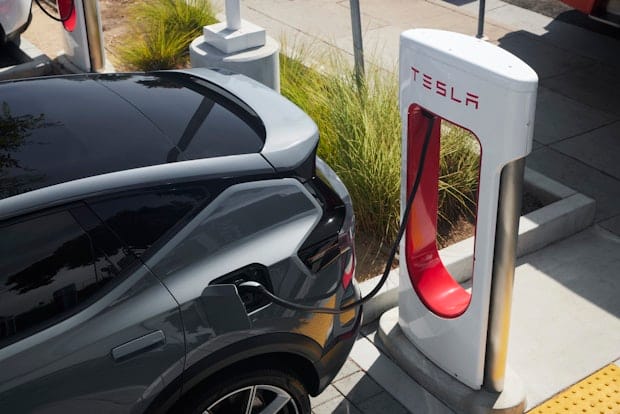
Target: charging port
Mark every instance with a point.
(251, 299)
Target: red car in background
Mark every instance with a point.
(604, 10)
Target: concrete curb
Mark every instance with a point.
(568, 213)
(66, 66)
(33, 63)
(446, 388)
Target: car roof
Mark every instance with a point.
(290, 136)
(59, 129)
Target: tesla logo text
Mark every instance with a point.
(443, 89)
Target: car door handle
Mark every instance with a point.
(141, 344)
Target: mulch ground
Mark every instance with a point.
(372, 256)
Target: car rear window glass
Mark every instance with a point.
(201, 119)
(60, 129)
(143, 218)
(49, 267)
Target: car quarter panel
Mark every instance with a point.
(203, 169)
(263, 223)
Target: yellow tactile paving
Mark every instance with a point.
(597, 394)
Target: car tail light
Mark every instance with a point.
(349, 268)
(320, 256)
(334, 235)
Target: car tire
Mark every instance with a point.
(267, 388)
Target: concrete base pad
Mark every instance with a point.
(232, 41)
(446, 388)
(259, 63)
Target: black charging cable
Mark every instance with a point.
(388, 266)
(58, 19)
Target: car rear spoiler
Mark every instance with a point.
(291, 136)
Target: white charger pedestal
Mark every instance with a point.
(83, 37)
(238, 46)
(453, 340)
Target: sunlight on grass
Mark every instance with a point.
(360, 139)
(163, 31)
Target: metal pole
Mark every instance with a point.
(507, 230)
(481, 8)
(358, 47)
(94, 35)
(233, 15)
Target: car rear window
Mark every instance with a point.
(201, 119)
(144, 218)
(61, 129)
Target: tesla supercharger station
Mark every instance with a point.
(83, 38)
(491, 93)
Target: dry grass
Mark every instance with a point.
(162, 32)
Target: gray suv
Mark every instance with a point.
(133, 208)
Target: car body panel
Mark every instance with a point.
(232, 166)
(69, 367)
(226, 236)
(606, 11)
(262, 222)
(260, 207)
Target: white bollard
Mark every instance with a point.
(238, 46)
(233, 15)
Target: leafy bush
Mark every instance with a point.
(163, 31)
(360, 131)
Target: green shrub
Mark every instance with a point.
(360, 139)
(163, 31)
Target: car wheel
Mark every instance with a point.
(256, 392)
